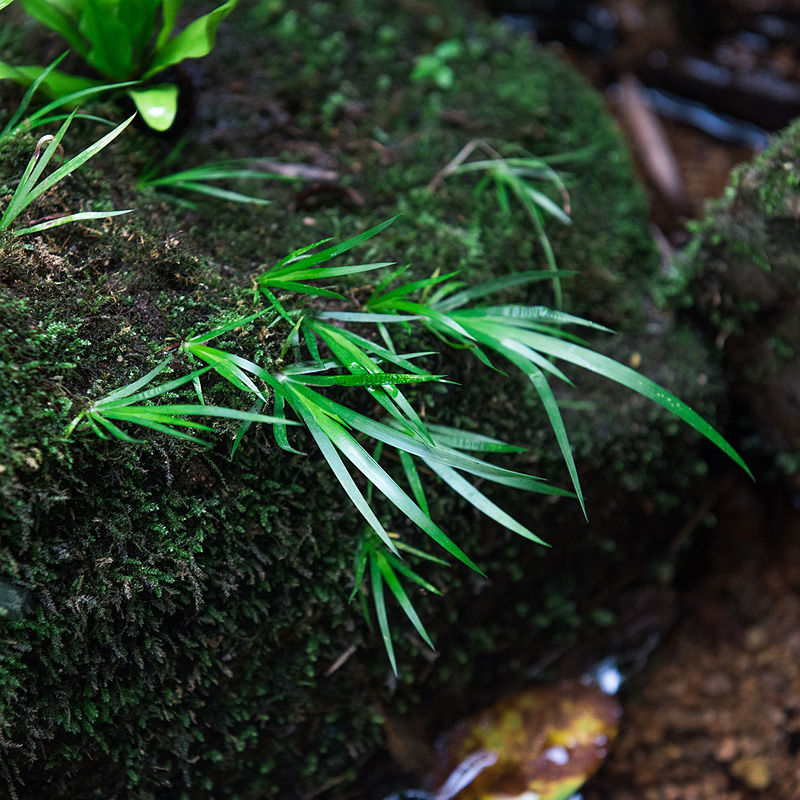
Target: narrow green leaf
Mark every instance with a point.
(619, 373)
(325, 444)
(476, 498)
(55, 223)
(115, 400)
(396, 588)
(370, 379)
(414, 482)
(544, 391)
(194, 41)
(368, 467)
(380, 609)
(464, 440)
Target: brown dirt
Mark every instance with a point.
(716, 714)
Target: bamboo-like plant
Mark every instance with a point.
(329, 355)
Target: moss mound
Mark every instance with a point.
(172, 615)
(740, 276)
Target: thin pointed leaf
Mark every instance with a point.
(131, 388)
(476, 498)
(359, 457)
(380, 610)
(326, 446)
(544, 391)
(619, 373)
(55, 223)
(115, 399)
(414, 482)
(396, 588)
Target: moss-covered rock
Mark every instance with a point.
(741, 276)
(172, 616)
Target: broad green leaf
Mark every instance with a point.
(194, 41)
(169, 11)
(157, 104)
(56, 84)
(61, 16)
(111, 40)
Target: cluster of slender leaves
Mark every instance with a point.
(517, 176)
(385, 570)
(32, 185)
(130, 404)
(329, 355)
(123, 40)
(531, 338)
(203, 179)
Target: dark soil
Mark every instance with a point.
(716, 714)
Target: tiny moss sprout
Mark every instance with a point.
(32, 185)
(516, 175)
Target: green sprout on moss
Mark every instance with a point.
(31, 185)
(386, 570)
(517, 176)
(433, 67)
(202, 179)
(123, 40)
(530, 337)
(340, 360)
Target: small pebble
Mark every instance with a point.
(717, 684)
(755, 773)
(727, 750)
(756, 637)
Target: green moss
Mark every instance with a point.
(740, 276)
(178, 611)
